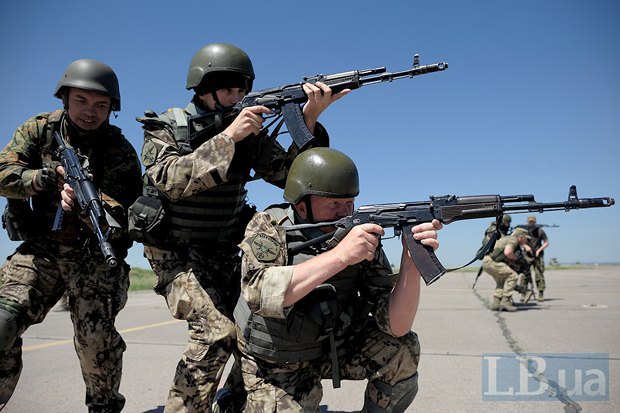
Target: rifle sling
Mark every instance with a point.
(487, 247)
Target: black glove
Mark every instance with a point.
(47, 178)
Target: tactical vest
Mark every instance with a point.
(215, 217)
(304, 334)
(31, 219)
(536, 240)
(498, 252)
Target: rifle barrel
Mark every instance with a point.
(415, 71)
(566, 205)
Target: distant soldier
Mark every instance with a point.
(538, 242)
(503, 264)
(48, 263)
(504, 229)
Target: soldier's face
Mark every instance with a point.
(228, 97)
(88, 109)
(328, 209)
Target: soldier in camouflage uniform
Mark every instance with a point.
(539, 241)
(504, 229)
(308, 313)
(49, 263)
(194, 210)
(503, 264)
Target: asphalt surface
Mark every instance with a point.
(580, 314)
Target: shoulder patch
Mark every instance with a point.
(149, 153)
(265, 248)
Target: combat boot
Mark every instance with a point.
(526, 294)
(495, 304)
(541, 297)
(506, 305)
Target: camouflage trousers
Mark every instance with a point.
(539, 269)
(200, 290)
(505, 277)
(538, 275)
(34, 280)
(390, 364)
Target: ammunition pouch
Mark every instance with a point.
(302, 336)
(20, 221)
(314, 315)
(147, 221)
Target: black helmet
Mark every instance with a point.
(218, 66)
(91, 75)
(324, 172)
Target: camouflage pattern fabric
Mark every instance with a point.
(197, 282)
(373, 353)
(505, 277)
(36, 276)
(201, 291)
(41, 270)
(538, 237)
(265, 280)
(297, 387)
(218, 159)
(112, 161)
(539, 269)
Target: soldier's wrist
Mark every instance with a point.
(29, 184)
(46, 178)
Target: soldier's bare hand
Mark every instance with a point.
(61, 177)
(360, 244)
(67, 197)
(248, 122)
(427, 233)
(320, 96)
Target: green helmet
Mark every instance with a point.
(324, 172)
(90, 75)
(218, 66)
(506, 219)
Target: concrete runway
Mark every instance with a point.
(580, 314)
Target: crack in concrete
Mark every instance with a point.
(555, 390)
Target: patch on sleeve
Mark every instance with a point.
(149, 153)
(265, 248)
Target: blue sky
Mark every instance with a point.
(529, 105)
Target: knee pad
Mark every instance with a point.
(8, 329)
(401, 395)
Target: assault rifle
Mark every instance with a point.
(449, 208)
(86, 196)
(285, 100)
(526, 226)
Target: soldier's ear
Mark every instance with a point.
(302, 209)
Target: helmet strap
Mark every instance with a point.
(308, 204)
(218, 105)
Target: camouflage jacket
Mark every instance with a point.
(498, 251)
(267, 270)
(179, 173)
(111, 159)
